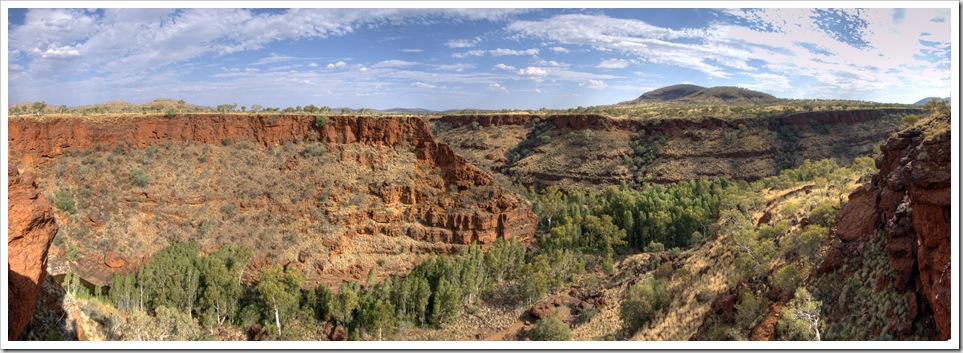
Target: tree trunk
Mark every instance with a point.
(277, 319)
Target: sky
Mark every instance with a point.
(470, 58)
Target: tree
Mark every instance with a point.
(800, 319)
(420, 299)
(550, 329)
(825, 214)
(319, 300)
(280, 290)
(937, 107)
(171, 278)
(256, 108)
(343, 304)
(642, 302)
(786, 277)
(749, 308)
(38, 107)
(220, 282)
(445, 302)
(123, 291)
(376, 315)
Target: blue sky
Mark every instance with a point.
(470, 58)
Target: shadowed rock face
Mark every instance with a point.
(909, 201)
(732, 148)
(31, 230)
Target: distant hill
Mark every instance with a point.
(685, 93)
(408, 110)
(927, 99)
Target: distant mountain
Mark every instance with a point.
(697, 94)
(669, 93)
(927, 99)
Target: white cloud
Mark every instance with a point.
(497, 87)
(613, 64)
(469, 53)
(559, 49)
(337, 65)
(313, 65)
(410, 50)
(538, 61)
(455, 67)
(124, 42)
(393, 63)
(533, 71)
(423, 85)
(505, 67)
(495, 52)
(635, 37)
(593, 84)
(504, 52)
(463, 43)
(60, 51)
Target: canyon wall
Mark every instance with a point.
(908, 202)
(31, 230)
(445, 203)
(582, 150)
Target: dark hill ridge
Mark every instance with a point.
(685, 93)
(927, 99)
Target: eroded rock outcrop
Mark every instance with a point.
(909, 202)
(31, 230)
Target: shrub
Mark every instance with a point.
(313, 150)
(320, 121)
(65, 201)
(654, 246)
(642, 302)
(550, 329)
(910, 119)
(139, 178)
(786, 277)
(824, 214)
(664, 271)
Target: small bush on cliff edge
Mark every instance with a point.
(320, 121)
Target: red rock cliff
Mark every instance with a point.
(909, 200)
(31, 230)
(507, 216)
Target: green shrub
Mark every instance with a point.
(642, 302)
(65, 201)
(786, 277)
(910, 119)
(313, 150)
(824, 214)
(654, 246)
(550, 329)
(139, 178)
(320, 121)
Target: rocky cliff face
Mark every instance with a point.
(444, 201)
(31, 230)
(581, 150)
(908, 202)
